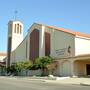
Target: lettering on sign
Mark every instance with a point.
(60, 51)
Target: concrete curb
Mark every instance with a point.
(85, 84)
(61, 83)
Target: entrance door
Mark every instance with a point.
(88, 69)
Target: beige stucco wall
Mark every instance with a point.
(64, 68)
(82, 46)
(60, 41)
(20, 52)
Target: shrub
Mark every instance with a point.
(43, 61)
(18, 66)
(40, 63)
(24, 65)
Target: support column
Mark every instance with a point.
(53, 54)
(72, 69)
(42, 42)
(28, 46)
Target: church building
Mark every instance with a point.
(70, 49)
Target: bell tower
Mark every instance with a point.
(15, 37)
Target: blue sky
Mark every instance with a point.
(70, 14)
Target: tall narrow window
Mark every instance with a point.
(17, 28)
(47, 44)
(20, 29)
(10, 27)
(34, 45)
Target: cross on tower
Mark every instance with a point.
(16, 14)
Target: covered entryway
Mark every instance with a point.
(74, 66)
(82, 67)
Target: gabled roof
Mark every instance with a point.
(69, 31)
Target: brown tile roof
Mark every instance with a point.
(3, 54)
(82, 34)
(71, 32)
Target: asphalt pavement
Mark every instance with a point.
(20, 83)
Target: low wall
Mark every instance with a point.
(30, 73)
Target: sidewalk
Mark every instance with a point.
(79, 81)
